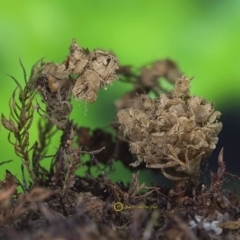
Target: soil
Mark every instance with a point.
(96, 208)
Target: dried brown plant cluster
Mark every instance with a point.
(173, 132)
(82, 74)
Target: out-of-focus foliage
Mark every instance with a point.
(201, 36)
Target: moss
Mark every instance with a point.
(172, 132)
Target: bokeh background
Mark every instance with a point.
(201, 36)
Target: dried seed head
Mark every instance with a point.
(96, 69)
(56, 84)
(173, 133)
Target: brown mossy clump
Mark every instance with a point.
(81, 75)
(172, 132)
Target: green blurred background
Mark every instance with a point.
(201, 36)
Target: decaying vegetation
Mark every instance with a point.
(172, 131)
